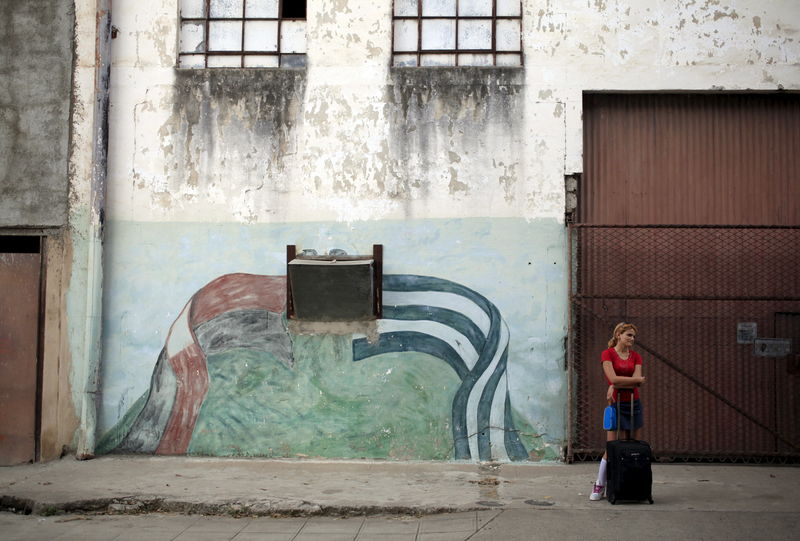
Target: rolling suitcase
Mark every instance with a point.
(629, 475)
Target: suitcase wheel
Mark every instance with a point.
(651, 501)
(612, 501)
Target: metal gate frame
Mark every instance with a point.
(702, 279)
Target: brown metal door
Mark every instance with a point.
(699, 159)
(689, 227)
(19, 321)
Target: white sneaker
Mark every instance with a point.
(597, 493)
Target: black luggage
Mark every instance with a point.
(629, 476)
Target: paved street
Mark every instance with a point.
(186, 498)
(603, 523)
(200, 528)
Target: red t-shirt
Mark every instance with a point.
(622, 367)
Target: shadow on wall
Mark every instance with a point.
(232, 381)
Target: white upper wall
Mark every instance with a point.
(338, 159)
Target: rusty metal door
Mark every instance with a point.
(689, 228)
(711, 393)
(20, 279)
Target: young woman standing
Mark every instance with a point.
(622, 368)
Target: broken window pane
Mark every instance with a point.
(261, 9)
(508, 8)
(405, 35)
(439, 8)
(192, 40)
(293, 37)
(192, 9)
(405, 8)
(438, 34)
(475, 8)
(224, 36)
(227, 8)
(507, 37)
(250, 29)
(293, 9)
(261, 36)
(475, 34)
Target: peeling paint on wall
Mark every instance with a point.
(436, 116)
(427, 161)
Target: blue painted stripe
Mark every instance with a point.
(454, 320)
(485, 409)
(485, 346)
(460, 432)
(402, 341)
(411, 282)
(484, 361)
(514, 446)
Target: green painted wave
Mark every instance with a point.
(395, 406)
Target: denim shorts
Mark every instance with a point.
(624, 414)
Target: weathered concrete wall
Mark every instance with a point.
(51, 178)
(454, 133)
(35, 88)
(458, 172)
(226, 133)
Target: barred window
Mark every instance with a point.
(457, 33)
(242, 33)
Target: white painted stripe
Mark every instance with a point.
(477, 390)
(180, 336)
(497, 434)
(457, 341)
(440, 299)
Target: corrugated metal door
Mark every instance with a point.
(19, 332)
(691, 159)
(688, 227)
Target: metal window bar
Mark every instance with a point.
(419, 18)
(207, 19)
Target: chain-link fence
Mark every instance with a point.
(718, 312)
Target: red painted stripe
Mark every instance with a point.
(238, 292)
(189, 366)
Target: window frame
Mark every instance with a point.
(241, 52)
(456, 52)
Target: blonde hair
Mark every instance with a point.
(619, 329)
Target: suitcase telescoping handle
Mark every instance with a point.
(619, 419)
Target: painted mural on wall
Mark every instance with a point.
(231, 379)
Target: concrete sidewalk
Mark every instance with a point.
(258, 487)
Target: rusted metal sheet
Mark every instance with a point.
(691, 159)
(709, 394)
(787, 373)
(19, 316)
(652, 164)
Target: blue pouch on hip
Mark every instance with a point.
(610, 418)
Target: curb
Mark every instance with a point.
(136, 505)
